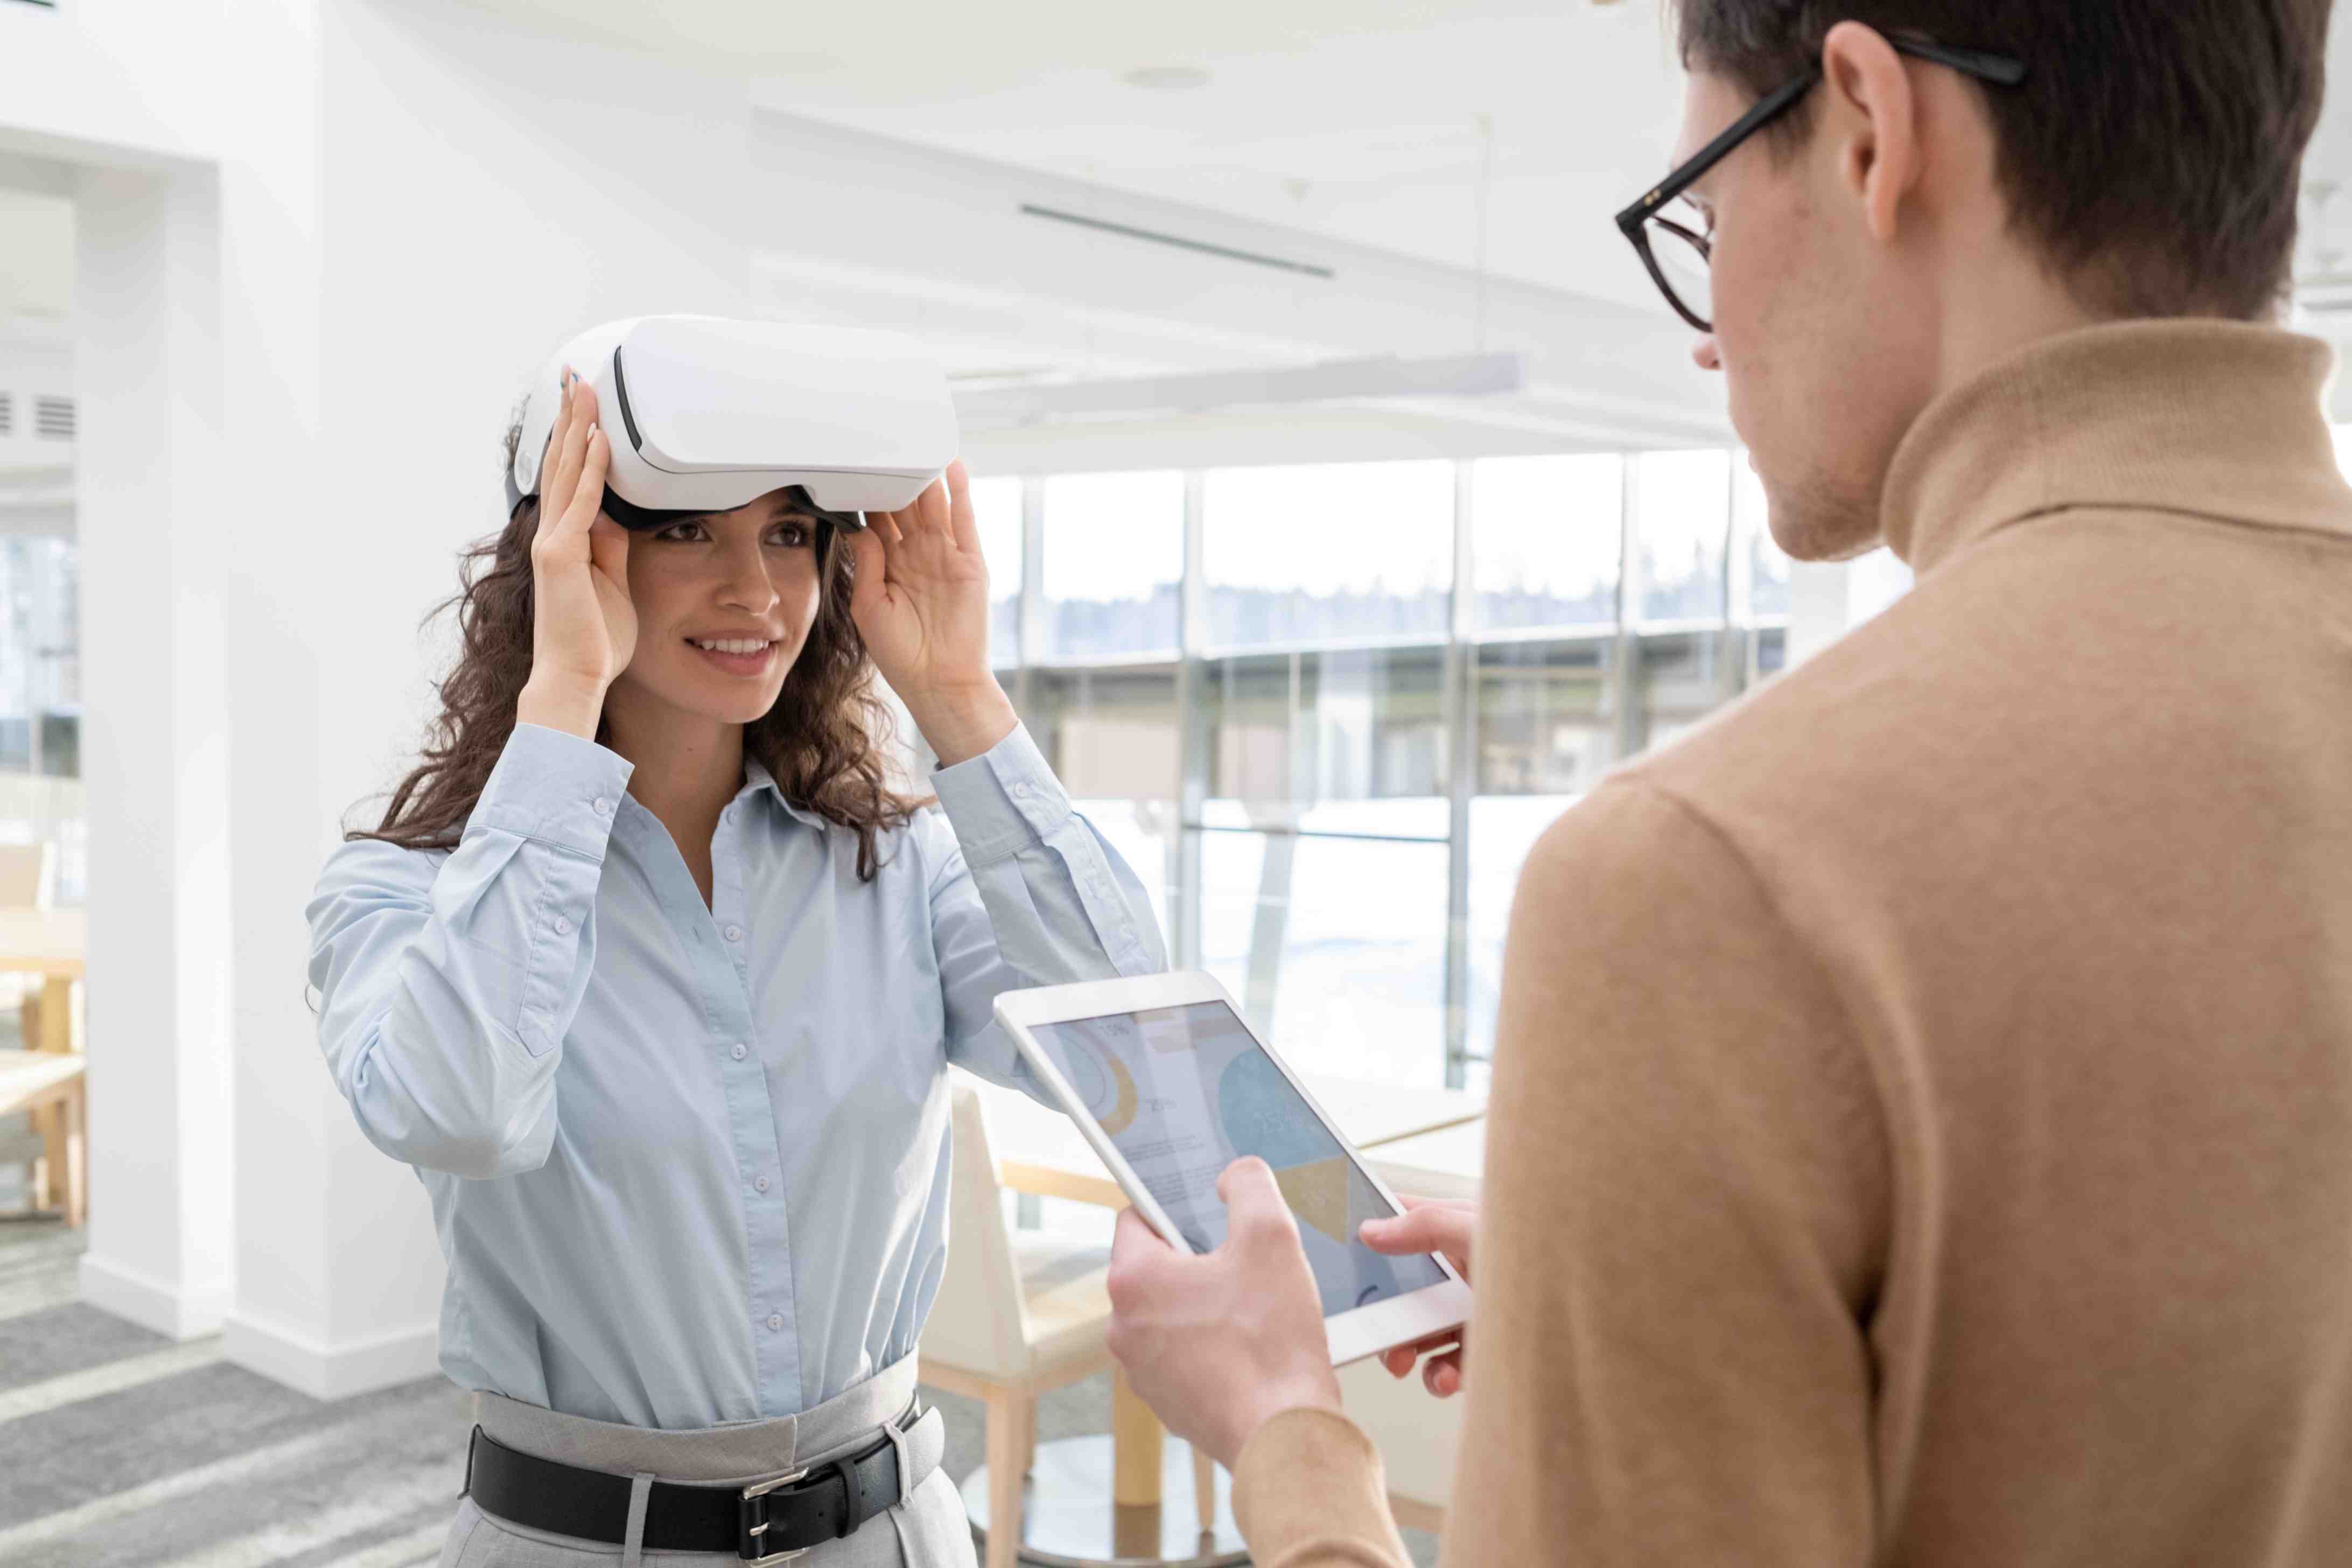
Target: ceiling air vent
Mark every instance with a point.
(53, 418)
(7, 414)
(1181, 242)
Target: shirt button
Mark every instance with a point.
(738, 1053)
(762, 1183)
(603, 806)
(734, 933)
(775, 1320)
(563, 926)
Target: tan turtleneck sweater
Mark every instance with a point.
(1922, 1118)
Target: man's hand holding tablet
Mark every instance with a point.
(1218, 1343)
(1245, 1269)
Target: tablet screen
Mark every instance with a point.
(1185, 1092)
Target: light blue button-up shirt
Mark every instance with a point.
(689, 1163)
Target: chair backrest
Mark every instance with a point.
(28, 875)
(979, 1321)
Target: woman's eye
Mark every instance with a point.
(792, 536)
(682, 532)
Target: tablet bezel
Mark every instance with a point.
(1352, 1335)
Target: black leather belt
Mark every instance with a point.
(767, 1522)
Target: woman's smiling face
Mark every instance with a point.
(724, 604)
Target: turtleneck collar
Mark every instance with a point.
(2208, 416)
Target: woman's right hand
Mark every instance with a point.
(584, 628)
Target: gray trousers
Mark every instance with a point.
(927, 1530)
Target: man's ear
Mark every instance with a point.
(1874, 117)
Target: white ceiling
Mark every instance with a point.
(1356, 119)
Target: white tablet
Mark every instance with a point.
(1171, 1086)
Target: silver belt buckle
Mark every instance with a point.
(751, 1533)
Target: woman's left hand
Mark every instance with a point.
(921, 603)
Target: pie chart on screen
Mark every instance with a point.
(1105, 1086)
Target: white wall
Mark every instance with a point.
(136, 85)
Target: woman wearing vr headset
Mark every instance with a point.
(654, 980)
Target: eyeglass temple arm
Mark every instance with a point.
(1998, 70)
(1771, 105)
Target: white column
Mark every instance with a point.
(154, 751)
(339, 1273)
(404, 247)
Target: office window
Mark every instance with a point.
(1547, 540)
(1335, 947)
(1333, 552)
(996, 508)
(1114, 562)
(1682, 677)
(1112, 736)
(1317, 818)
(1546, 733)
(1768, 564)
(1323, 852)
(1682, 528)
(40, 705)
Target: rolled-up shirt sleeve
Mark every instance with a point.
(1031, 895)
(448, 979)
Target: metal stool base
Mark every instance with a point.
(1068, 1520)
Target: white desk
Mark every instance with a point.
(1446, 1163)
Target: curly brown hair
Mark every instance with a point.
(825, 740)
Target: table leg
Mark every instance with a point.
(1136, 1437)
(56, 1187)
(57, 1014)
(76, 1117)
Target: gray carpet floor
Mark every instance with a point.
(118, 1447)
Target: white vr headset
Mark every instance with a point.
(706, 415)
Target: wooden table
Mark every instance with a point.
(51, 943)
(1039, 1151)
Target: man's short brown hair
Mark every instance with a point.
(2154, 151)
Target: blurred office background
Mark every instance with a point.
(1350, 502)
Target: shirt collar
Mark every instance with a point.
(2214, 417)
(756, 777)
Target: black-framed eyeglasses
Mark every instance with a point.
(1679, 258)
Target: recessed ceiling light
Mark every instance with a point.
(1168, 79)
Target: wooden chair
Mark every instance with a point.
(28, 875)
(28, 879)
(1018, 1313)
(34, 1080)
